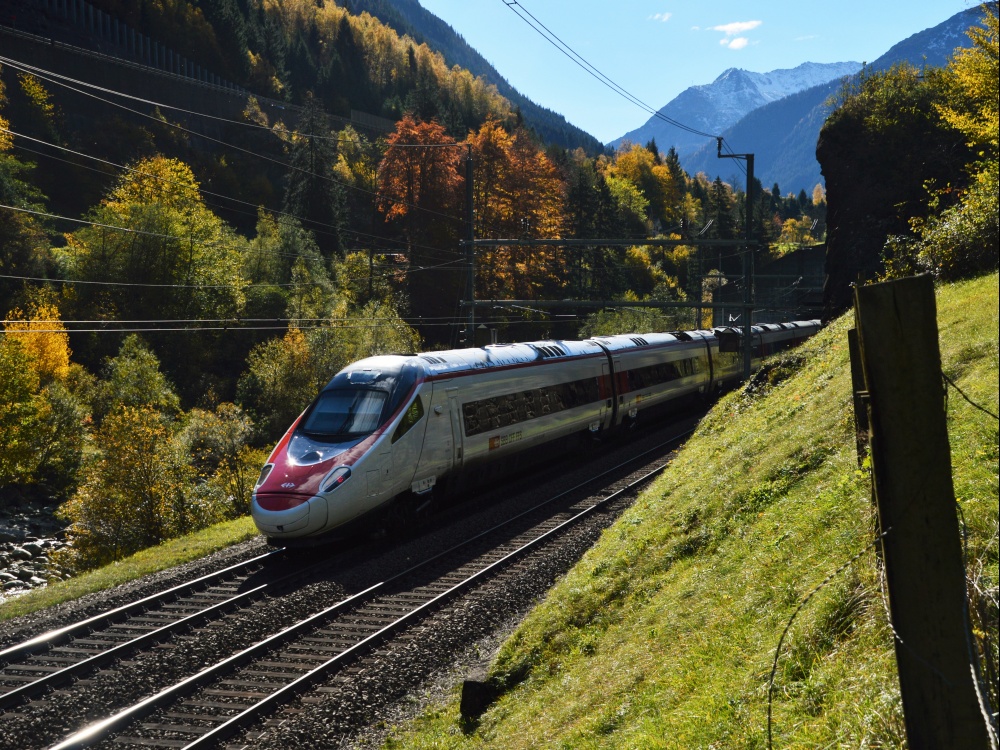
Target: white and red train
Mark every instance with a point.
(387, 431)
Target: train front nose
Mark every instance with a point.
(287, 514)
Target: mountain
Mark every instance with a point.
(410, 18)
(782, 134)
(716, 106)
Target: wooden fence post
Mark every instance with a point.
(861, 429)
(911, 463)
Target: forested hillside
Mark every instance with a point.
(177, 287)
(407, 17)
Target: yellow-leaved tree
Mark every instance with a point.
(41, 420)
(962, 238)
(131, 493)
(43, 335)
(973, 89)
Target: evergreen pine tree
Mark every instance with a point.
(313, 194)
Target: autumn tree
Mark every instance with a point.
(133, 379)
(420, 190)
(21, 411)
(43, 335)
(289, 275)
(960, 236)
(224, 464)
(654, 179)
(155, 252)
(131, 496)
(41, 419)
(517, 194)
(797, 232)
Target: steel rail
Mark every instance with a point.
(101, 658)
(289, 691)
(61, 635)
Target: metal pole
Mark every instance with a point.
(470, 253)
(748, 275)
(747, 260)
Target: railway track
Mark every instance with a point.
(58, 656)
(321, 651)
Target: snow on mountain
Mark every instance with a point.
(781, 83)
(714, 107)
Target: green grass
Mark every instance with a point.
(166, 555)
(664, 635)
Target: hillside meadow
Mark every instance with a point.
(666, 633)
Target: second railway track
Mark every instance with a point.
(322, 660)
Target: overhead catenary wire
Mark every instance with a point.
(304, 221)
(236, 324)
(547, 34)
(158, 235)
(525, 15)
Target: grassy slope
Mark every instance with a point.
(664, 635)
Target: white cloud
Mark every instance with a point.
(737, 27)
(732, 31)
(664, 17)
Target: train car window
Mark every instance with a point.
(400, 387)
(726, 359)
(344, 414)
(413, 414)
(502, 411)
(663, 372)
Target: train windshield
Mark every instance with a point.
(344, 413)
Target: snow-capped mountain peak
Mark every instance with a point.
(715, 106)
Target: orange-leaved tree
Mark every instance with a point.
(419, 186)
(517, 194)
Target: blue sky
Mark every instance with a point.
(655, 49)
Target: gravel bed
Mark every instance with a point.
(21, 628)
(42, 723)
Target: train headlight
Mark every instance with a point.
(263, 474)
(336, 478)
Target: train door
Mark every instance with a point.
(437, 450)
(607, 396)
(407, 441)
(454, 409)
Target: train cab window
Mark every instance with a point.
(413, 415)
(356, 403)
(344, 414)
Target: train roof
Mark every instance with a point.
(623, 341)
(453, 361)
(503, 355)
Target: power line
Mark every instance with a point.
(235, 325)
(569, 52)
(42, 72)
